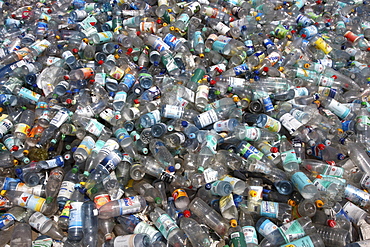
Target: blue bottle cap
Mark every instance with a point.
(111, 94)
(171, 169)
(184, 123)
(208, 186)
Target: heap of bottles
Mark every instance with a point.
(184, 123)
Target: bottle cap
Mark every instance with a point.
(274, 150)
(331, 223)
(253, 193)
(86, 174)
(108, 236)
(233, 223)
(321, 146)
(201, 169)
(158, 200)
(3, 192)
(49, 199)
(187, 213)
(291, 203)
(171, 169)
(208, 186)
(319, 203)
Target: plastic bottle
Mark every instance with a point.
(123, 206)
(169, 229)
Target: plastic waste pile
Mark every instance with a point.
(184, 123)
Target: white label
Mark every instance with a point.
(207, 118)
(290, 123)
(66, 189)
(59, 118)
(210, 175)
(38, 220)
(144, 227)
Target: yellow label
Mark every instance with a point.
(101, 200)
(322, 45)
(22, 128)
(179, 193)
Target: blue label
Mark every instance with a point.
(121, 134)
(267, 103)
(346, 124)
(6, 220)
(300, 180)
(240, 69)
(128, 80)
(219, 46)
(111, 161)
(268, 43)
(171, 40)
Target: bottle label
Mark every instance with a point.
(269, 209)
(75, 217)
(144, 227)
(273, 58)
(197, 39)
(290, 123)
(31, 201)
(66, 210)
(101, 200)
(297, 114)
(129, 205)
(289, 157)
(107, 114)
(267, 227)
(111, 161)
(94, 127)
(160, 45)
(339, 109)
(292, 231)
(237, 239)
(59, 118)
(87, 144)
(302, 242)
(207, 118)
(271, 124)
(356, 195)
(66, 189)
(165, 225)
(325, 81)
(333, 171)
(117, 73)
(179, 193)
(250, 151)
(354, 213)
(321, 184)
(223, 125)
(38, 220)
(219, 46)
(251, 133)
(240, 69)
(104, 37)
(5, 126)
(28, 94)
(250, 235)
(171, 40)
(109, 146)
(321, 44)
(154, 117)
(300, 180)
(226, 202)
(365, 181)
(172, 111)
(210, 175)
(6, 220)
(202, 92)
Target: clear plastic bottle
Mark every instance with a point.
(197, 236)
(169, 229)
(209, 216)
(123, 206)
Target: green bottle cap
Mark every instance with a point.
(206, 50)
(49, 199)
(158, 200)
(86, 173)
